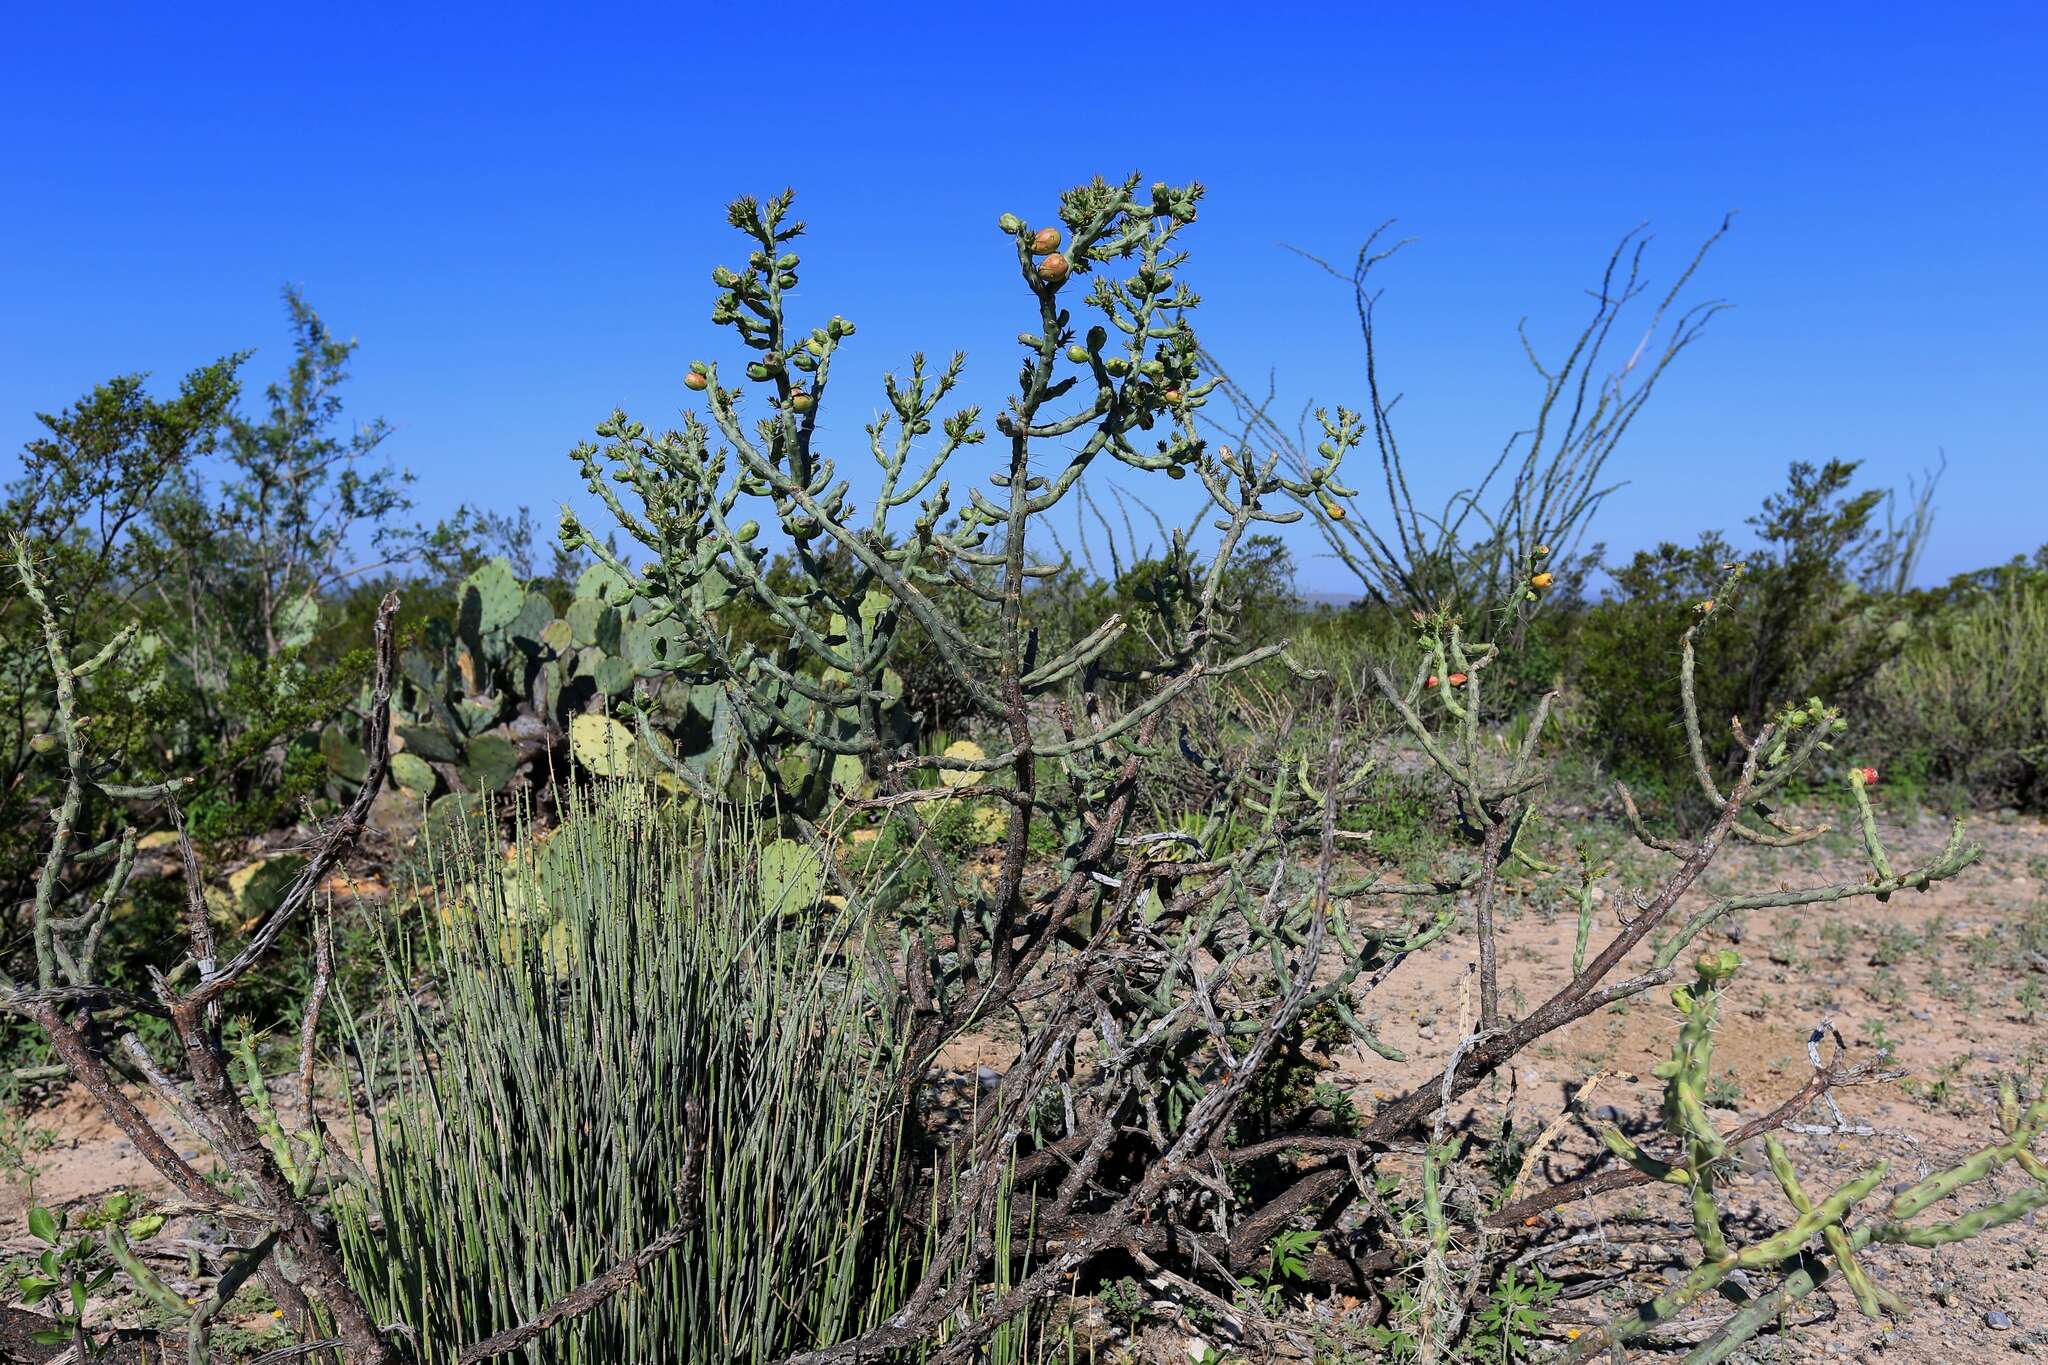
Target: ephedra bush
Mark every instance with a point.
(612, 1041)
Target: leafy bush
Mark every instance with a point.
(1964, 704)
(1813, 613)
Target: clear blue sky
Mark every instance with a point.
(517, 209)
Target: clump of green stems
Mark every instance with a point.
(601, 1037)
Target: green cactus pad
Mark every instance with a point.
(592, 624)
(345, 758)
(533, 618)
(446, 817)
(558, 635)
(489, 762)
(297, 619)
(717, 589)
(989, 824)
(259, 888)
(603, 745)
(792, 876)
(613, 675)
(413, 773)
(961, 777)
(476, 714)
(499, 594)
(602, 583)
(849, 776)
(428, 742)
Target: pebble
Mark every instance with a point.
(1997, 1321)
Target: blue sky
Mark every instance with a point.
(517, 210)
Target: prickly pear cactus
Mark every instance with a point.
(494, 685)
(792, 876)
(603, 745)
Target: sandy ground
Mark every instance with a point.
(1941, 982)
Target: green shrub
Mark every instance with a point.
(587, 1021)
(1965, 704)
(1815, 614)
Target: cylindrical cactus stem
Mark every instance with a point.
(1635, 1156)
(1867, 819)
(1872, 1300)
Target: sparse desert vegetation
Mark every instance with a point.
(876, 900)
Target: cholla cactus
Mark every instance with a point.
(1183, 971)
(1702, 1152)
(825, 683)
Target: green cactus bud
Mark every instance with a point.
(1078, 354)
(1117, 366)
(724, 278)
(759, 373)
(42, 744)
(1011, 223)
(1718, 967)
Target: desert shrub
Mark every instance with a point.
(605, 1036)
(1963, 705)
(1814, 612)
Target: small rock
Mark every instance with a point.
(1997, 1321)
(1923, 1016)
(988, 1077)
(1611, 1113)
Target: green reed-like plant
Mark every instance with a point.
(602, 1043)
